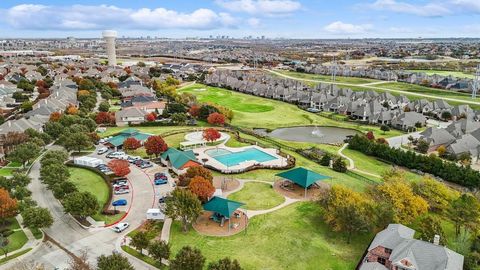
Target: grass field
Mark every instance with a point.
(458, 74)
(293, 237)
(327, 78)
(281, 114)
(257, 196)
(89, 181)
(17, 239)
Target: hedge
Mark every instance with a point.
(448, 171)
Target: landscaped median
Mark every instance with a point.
(90, 180)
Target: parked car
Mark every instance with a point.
(121, 187)
(120, 227)
(160, 175)
(102, 151)
(160, 181)
(133, 159)
(118, 154)
(163, 199)
(121, 202)
(121, 191)
(143, 164)
(120, 184)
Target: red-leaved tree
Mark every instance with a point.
(211, 135)
(202, 188)
(151, 117)
(216, 119)
(370, 136)
(105, 118)
(155, 145)
(194, 111)
(131, 144)
(119, 167)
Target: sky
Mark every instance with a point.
(239, 18)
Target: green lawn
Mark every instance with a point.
(281, 114)
(326, 78)
(293, 237)
(14, 164)
(142, 257)
(86, 180)
(257, 196)
(16, 241)
(458, 74)
(10, 257)
(7, 171)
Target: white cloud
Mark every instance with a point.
(339, 27)
(254, 22)
(83, 17)
(266, 7)
(431, 9)
(471, 5)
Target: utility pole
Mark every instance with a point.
(476, 82)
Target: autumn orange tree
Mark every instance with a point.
(155, 145)
(211, 134)
(202, 188)
(72, 110)
(131, 144)
(184, 179)
(8, 205)
(194, 111)
(119, 167)
(55, 116)
(216, 119)
(105, 118)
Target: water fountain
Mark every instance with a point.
(316, 132)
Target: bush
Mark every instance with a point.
(325, 161)
(339, 165)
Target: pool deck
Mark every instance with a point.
(276, 163)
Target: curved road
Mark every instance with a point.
(463, 101)
(66, 231)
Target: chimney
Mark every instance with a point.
(436, 239)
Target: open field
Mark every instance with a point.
(327, 78)
(291, 238)
(281, 114)
(458, 74)
(257, 196)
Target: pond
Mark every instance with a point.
(313, 134)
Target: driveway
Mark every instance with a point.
(97, 241)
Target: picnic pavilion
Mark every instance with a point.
(302, 177)
(223, 209)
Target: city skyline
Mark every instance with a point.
(239, 18)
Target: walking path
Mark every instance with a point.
(374, 83)
(463, 101)
(351, 163)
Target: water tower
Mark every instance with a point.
(110, 36)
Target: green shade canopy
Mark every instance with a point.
(222, 206)
(302, 177)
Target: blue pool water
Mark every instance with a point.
(228, 158)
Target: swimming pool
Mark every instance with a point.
(228, 158)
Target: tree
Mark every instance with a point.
(194, 111)
(347, 211)
(224, 264)
(441, 150)
(430, 226)
(155, 145)
(81, 204)
(179, 118)
(211, 135)
(184, 179)
(325, 160)
(159, 250)
(105, 118)
(113, 262)
(370, 136)
(76, 141)
(54, 173)
(188, 258)
(183, 205)
(446, 115)
(384, 128)
(216, 119)
(131, 144)
(422, 146)
(71, 110)
(140, 241)
(119, 167)
(54, 129)
(151, 117)
(104, 106)
(8, 205)
(202, 188)
(37, 217)
(407, 207)
(339, 165)
(465, 212)
(437, 194)
(24, 153)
